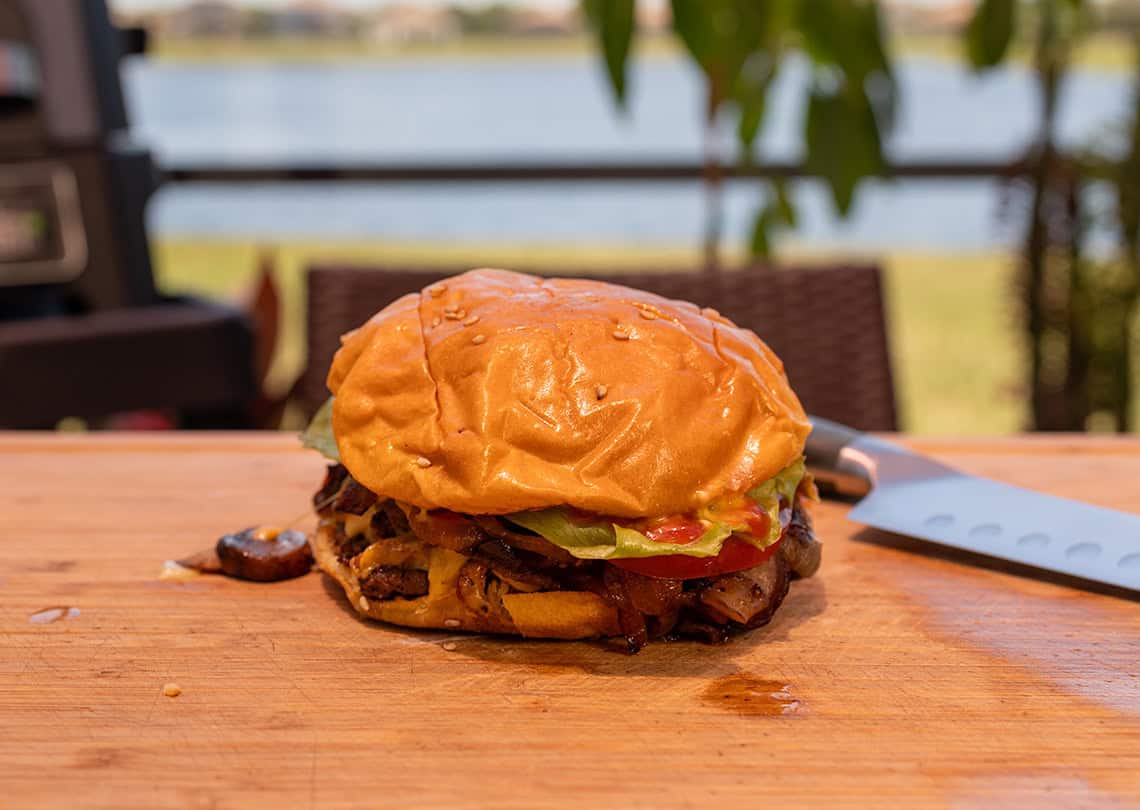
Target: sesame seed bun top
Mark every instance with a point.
(493, 392)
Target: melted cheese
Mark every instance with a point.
(356, 524)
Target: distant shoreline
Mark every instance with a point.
(1102, 52)
(318, 51)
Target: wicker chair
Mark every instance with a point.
(826, 323)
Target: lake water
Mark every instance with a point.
(560, 109)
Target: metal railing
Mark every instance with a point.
(526, 172)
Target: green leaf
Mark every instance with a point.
(775, 213)
(879, 81)
(760, 244)
(751, 96)
(821, 25)
(843, 143)
(848, 38)
(319, 434)
(990, 31)
(693, 22)
(784, 203)
(752, 109)
(613, 21)
(721, 36)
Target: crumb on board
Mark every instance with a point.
(172, 690)
(173, 570)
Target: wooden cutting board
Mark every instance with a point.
(896, 674)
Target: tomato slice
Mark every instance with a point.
(677, 530)
(735, 555)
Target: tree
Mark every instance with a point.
(1078, 310)
(259, 22)
(740, 46)
(493, 19)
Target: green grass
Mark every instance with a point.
(954, 336)
(955, 341)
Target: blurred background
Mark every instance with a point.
(172, 170)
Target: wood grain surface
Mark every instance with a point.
(896, 675)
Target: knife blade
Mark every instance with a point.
(907, 493)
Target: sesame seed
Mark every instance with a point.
(648, 314)
(450, 646)
(471, 321)
(601, 391)
(363, 603)
(478, 339)
(451, 622)
(172, 690)
(621, 334)
(451, 316)
(435, 322)
(423, 461)
(436, 290)
(451, 308)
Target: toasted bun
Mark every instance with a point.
(495, 392)
(553, 614)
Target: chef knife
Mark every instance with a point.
(907, 493)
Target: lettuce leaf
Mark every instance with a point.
(608, 541)
(319, 434)
(782, 486)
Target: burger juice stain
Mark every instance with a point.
(53, 614)
(744, 694)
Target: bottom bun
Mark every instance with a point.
(459, 598)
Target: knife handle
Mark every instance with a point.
(825, 458)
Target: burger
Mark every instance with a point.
(561, 458)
